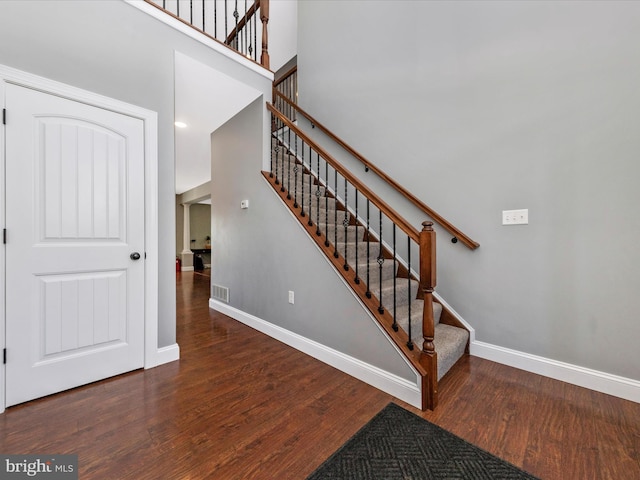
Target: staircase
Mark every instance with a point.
(351, 227)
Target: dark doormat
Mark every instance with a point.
(397, 444)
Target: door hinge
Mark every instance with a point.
(4, 116)
(4, 236)
(4, 356)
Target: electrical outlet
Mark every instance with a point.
(291, 297)
(244, 204)
(515, 217)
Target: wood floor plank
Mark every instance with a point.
(546, 435)
(219, 413)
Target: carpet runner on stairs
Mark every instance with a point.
(361, 252)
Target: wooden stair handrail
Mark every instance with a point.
(404, 225)
(284, 76)
(457, 234)
(242, 22)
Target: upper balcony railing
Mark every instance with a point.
(238, 24)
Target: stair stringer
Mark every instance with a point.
(384, 321)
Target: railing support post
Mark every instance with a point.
(264, 18)
(428, 356)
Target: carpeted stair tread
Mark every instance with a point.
(417, 305)
(388, 270)
(323, 212)
(361, 253)
(450, 343)
(404, 291)
(416, 316)
(353, 233)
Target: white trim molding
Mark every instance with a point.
(167, 354)
(401, 388)
(617, 386)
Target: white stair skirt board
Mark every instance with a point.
(617, 386)
(401, 388)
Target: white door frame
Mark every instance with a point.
(153, 355)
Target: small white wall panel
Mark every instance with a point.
(69, 305)
(49, 149)
(82, 310)
(83, 171)
(68, 176)
(51, 318)
(86, 307)
(85, 183)
(114, 186)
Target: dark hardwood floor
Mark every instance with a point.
(240, 405)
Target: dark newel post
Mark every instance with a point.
(264, 17)
(428, 357)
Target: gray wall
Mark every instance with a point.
(261, 253)
(200, 223)
(201, 192)
(477, 107)
(113, 49)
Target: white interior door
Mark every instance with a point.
(74, 218)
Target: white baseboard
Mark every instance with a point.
(186, 269)
(584, 377)
(163, 355)
(401, 388)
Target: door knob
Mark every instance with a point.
(135, 256)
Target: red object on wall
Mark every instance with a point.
(178, 265)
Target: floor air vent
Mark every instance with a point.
(220, 293)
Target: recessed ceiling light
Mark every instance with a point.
(180, 125)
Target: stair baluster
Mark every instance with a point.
(356, 278)
(326, 204)
(345, 223)
(288, 159)
(318, 232)
(395, 270)
(335, 215)
(302, 170)
(296, 168)
(368, 292)
(310, 222)
(410, 342)
(380, 260)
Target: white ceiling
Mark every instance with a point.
(204, 99)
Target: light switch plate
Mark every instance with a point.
(515, 217)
